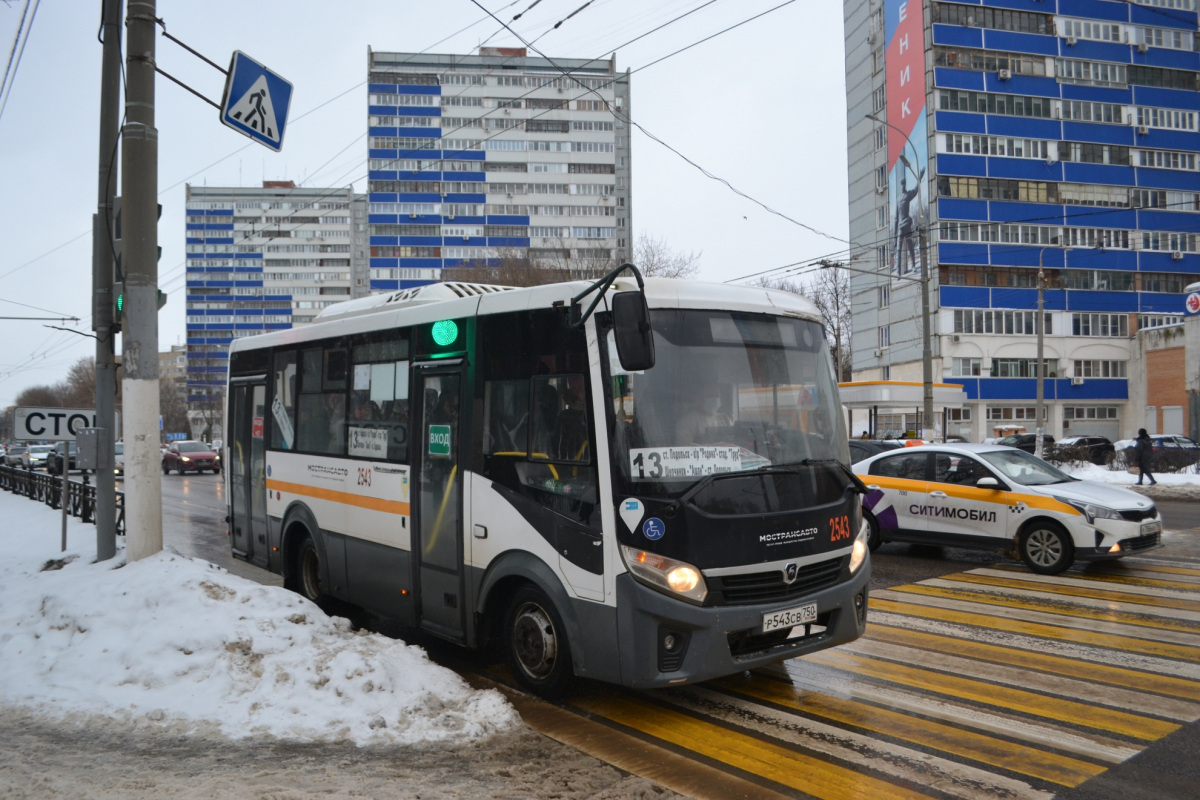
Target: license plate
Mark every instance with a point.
(1149, 528)
(789, 618)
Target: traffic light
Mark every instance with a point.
(118, 272)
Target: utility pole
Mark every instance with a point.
(102, 282)
(139, 241)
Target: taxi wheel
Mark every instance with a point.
(1046, 549)
(874, 539)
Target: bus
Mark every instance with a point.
(639, 481)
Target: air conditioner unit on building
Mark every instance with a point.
(880, 188)
(1071, 40)
(1050, 161)
(1143, 47)
(878, 353)
(1005, 74)
(1143, 130)
(1177, 256)
(1076, 381)
(956, 338)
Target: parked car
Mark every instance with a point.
(1096, 449)
(190, 456)
(119, 458)
(995, 497)
(1172, 453)
(1028, 442)
(12, 457)
(63, 451)
(865, 448)
(36, 455)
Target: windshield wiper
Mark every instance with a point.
(855, 481)
(696, 487)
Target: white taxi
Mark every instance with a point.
(1000, 498)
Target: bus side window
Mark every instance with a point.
(379, 402)
(283, 406)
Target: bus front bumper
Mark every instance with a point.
(666, 642)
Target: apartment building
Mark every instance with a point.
(1006, 157)
(478, 159)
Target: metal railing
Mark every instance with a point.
(45, 488)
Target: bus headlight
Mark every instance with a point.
(666, 574)
(858, 553)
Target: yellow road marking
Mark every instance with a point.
(1052, 607)
(1033, 703)
(1127, 643)
(1043, 662)
(1018, 758)
(345, 498)
(1077, 591)
(752, 754)
(1128, 580)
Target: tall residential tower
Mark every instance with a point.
(261, 259)
(475, 159)
(995, 142)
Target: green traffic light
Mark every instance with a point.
(445, 332)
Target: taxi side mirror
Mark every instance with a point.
(987, 483)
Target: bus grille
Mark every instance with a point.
(769, 587)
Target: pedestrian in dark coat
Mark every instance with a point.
(1143, 449)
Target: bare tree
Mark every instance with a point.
(562, 263)
(656, 259)
(173, 406)
(829, 290)
(206, 410)
(80, 384)
(43, 396)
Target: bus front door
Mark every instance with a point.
(437, 499)
(247, 471)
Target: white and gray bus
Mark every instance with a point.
(638, 482)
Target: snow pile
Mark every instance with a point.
(177, 642)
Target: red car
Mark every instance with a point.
(188, 455)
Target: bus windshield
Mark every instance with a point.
(730, 392)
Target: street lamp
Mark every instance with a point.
(1040, 324)
(926, 336)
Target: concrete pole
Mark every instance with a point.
(139, 238)
(926, 343)
(102, 282)
(1040, 324)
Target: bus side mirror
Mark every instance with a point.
(987, 483)
(631, 329)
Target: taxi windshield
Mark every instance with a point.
(729, 392)
(1025, 469)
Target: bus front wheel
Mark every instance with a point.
(535, 644)
(308, 572)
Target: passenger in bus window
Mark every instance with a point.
(697, 425)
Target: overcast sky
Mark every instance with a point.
(761, 106)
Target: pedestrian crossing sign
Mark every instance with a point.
(256, 101)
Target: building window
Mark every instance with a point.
(885, 295)
(881, 217)
(885, 336)
(881, 181)
(966, 367)
(1089, 412)
(885, 372)
(1114, 325)
(878, 99)
(1100, 369)
(1022, 367)
(880, 138)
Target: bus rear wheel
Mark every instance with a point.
(535, 644)
(308, 572)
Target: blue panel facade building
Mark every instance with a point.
(1056, 153)
(493, 158)
(262, 259)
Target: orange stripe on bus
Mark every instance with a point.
(345, 498)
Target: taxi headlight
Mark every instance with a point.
(1091, 511)
(665, 574)
(858, 553)
(185, 458)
